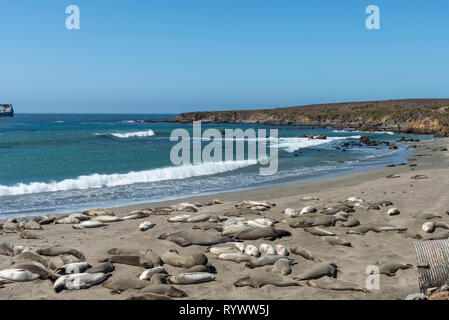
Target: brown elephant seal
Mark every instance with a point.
(122, 284)
(305, 253)
(79, 281)
(10, 227)
(202, 268)
(166, 290)
(36, 268)
(261, 278)
(124, 250)
(208, 226)
(26, 234)
(320, 270)
(98, 212)
(351, 223)
(30, 256)
(6, 249)
(327, 221)
(439, 236)
(58, 261)
(191, 278)
(390, 268)
(56, 251)
(176, 260)
(131, 260)
(32, 225)
(335, 284)
(319, 232)
(44, 220)
(105, 267)
(282, 266)
(336, 241)
(162, 211)
(363, 229)
(159, 278)
(187, 238)
(268, 233)
(263, 261)
(148, 296)
(137, 214)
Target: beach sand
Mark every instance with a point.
(412, 197)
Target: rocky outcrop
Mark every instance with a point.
(6, 110)
(419, 116)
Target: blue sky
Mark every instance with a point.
(175, 56)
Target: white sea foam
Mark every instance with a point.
(138, 134)
(112, 180)
(366, 132)
(294, 144)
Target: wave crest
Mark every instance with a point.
(138, 134)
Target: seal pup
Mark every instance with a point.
(58, 261)
(281, 250)
(18, 275)
(25, 234)
(124, 250)
(57, 251)
(334, 284)
(76, 267)
(88, 224)
(266, 249)
(147, 274)
(263, 261)
(105, 267)
(319, 271)
(187, 238)
(327, 221)
(77, 281)
(144, 226)
(306, 254)
(261, 278)
(181, 218)
(428, 227)
(6, 249)
(122, 284)
(390, 268)
(268, 233)
(319, 232)
(252, 251)
(173, 258)
(282, 266)
(353, 222)
(191, 278)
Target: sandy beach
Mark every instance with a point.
(414, 198)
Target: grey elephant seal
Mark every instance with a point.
(327, 221)
(18, 275)
(282, 266)
(263, 261)
(122, 284)
(191, 278)
(6, 249)
(32, 225)
(56, 251)
(187, 238)
(132, 260)
(363, 229)
(105, 267)
(147, 274)
(79, 281)
(334, 284)
(390, 268)
(25, 234)
(76, 267)
(320, 270)
(305, 253)
(136, 215)
(176, 260)
(353, 222)
(319, 232)
(36, 268)
(88, 224)
(260, 279)
(268, 233)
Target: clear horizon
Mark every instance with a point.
(149, 57)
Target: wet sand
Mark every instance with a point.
(412, 197)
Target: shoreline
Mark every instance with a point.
(413, 198)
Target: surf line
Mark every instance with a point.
(256, 143)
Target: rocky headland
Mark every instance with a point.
(6, 110)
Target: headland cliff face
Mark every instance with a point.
(6, 110)
(419, 116)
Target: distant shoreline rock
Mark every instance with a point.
(6, 110)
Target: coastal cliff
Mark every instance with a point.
(6, 110)
(419, 116)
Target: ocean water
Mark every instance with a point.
(57, 163)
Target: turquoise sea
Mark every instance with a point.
(57, 163)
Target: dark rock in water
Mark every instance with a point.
(393, 147)
(6, 110)
(368, 141)
(440, 149)
(321, 136)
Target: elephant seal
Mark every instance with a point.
(199, 218)
(441, 224)
(136, 215)
(320, 270)
(319, 232)
(10, 227)
(88, 224)
(252, 250)
(6, 249)
(166, 290)
(147, 274)
(353, 222)
(56, 251)
(58, 261)
(282, 266)
(439, 236)
(303, 252)
(148, 253)
(327, 221)
(25, 234)
(79, 281)
(266, 249)
(76, 267)
(67, 220)
(191, 278)
(36, 268)
(159, 278)
(263, 261)
(44, 220)
(105, 267)
(162, 211)
(259, 279)
(30, 256)
(390, 268)
(98, 212)
(32, 225)
(336, 241)
(268, 233)
(176, 260)
(107, 219)
(132, 260)
(187, 238)
(148, 296)
(363, 229)
(334, 284)
(18, 275)
(234, 256)
(122, 284)
(144, 226)
(281, 250)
